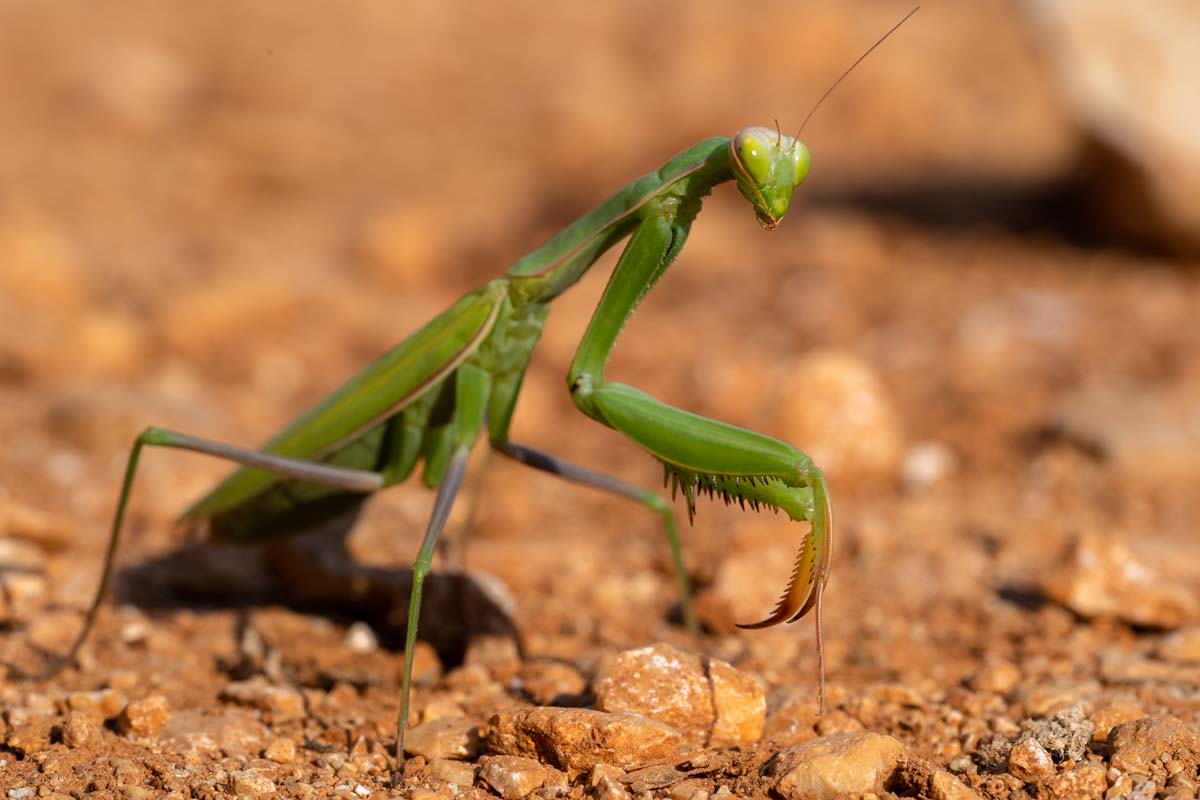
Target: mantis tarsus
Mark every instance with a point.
(429, 398)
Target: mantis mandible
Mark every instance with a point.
(429, 399)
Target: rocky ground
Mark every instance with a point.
(208, 218)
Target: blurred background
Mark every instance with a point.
(980, 315)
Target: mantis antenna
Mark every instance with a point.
(850, 69)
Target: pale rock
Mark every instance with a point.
(234, 732)
(549, 682)
(281, 751)
(944, 786)
(926, 464)
(577, 739)
(604, 783)
(513, 777)
(283, 703)
(835, 406)
(1127, 70)
(999, 676)
(145, 717)
(1099, 577)
(1029, 761)
(1182, 646)
(98, 705)
(445, 737)
(1078, 783)
(249, 783)
(78, 730)
(836, 765)
(710, 702)
(1107, 717)
(459, 773)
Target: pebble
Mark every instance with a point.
(445, 737)
(1149, 433)
(1182, 646)
(710, 702)
(1105, 718)
(233, 732)
(78, 730)
(836, 765)
(283, 703)
(513, 777)
(1143, 746)
(577, 739)
(144, 717)
(1084, 780)
(99, 706)
(22, 596)
(1029, 761)
(926, 464)
(248, 783)
(281, 751)
(361, 639)
(458, 773)
(31, 736)
(944, 786)
(550, 683)
(1099, 577)
(999, 676)
(834, 405)
(604, 783)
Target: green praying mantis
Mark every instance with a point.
(429, 399)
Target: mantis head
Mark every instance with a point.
(768, 166)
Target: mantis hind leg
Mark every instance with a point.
(651, 500)
(354, 480)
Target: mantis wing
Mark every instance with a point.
(347, 427)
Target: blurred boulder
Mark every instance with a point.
(1128, 72)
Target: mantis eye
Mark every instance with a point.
(803, 161)
(751, 153)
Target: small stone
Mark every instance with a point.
(1100, 577)
(78, 730)
(1084, 780)
(1029, 761)
(458, 773)
(145, 717)
(604, 783)
(281, 751)
(283, 703)
(31, 736)
(836, 403)
(999, 676)
(710, 702)
(944, 786)
(22, 595)
(98, 706)
(512, 777)
(925, 464)
(1142, 746)
(576, 739)
(361, 639)
(247, 783)
(550, 683)
(1182, 646)
(843, 763)
(689, 790)
(445, 737)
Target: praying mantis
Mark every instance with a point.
(431, 398)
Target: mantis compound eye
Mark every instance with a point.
(802, 160)
(752, 155)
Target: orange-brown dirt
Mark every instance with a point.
(211, 214)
